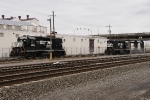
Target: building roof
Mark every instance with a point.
(16, 23)
(28, 19)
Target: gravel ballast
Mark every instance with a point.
(83, 86)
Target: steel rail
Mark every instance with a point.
(39, 71)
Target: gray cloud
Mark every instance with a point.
(125, 16)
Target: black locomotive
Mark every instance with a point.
(37, 46)
(117, 47)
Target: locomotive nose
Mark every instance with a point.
(15, 52)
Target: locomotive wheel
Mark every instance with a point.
(106, 52)
(26, 55)
(39, 54)
(59, 54)
(33, 55)
(110, 53)
(54, 54)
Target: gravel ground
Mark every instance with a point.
(130, 85)
(130, 82)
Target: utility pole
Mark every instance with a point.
(91, 32)
(53, 22)
(51, 35)
(50, 40)
(109, 29)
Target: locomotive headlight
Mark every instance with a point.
(20, 44)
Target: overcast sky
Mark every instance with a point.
(125, 16)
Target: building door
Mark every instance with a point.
(91, 45)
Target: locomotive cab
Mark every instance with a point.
(23, 43)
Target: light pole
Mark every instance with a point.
(98, 29)
(74, 30)
(91, 32)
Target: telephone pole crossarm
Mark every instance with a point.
(109, 29)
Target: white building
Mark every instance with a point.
(11, 28)
(77, 44)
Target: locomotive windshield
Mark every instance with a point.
(17, 44)
(21, 40)
(109, 44)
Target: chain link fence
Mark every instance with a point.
(70, 51)
(83, 51)
(4, 52)
(138, 50)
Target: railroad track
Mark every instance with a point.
(19, 60)
(14, 60)
(23, 73)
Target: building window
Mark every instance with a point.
(17, 27)
(64, 40)
(1, 34)
(1, 26)
(74, 39)
(17, 35)
(81, 40)
(97, 41)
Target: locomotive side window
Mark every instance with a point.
(120, 45)
(109, 44)
(32, 43)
